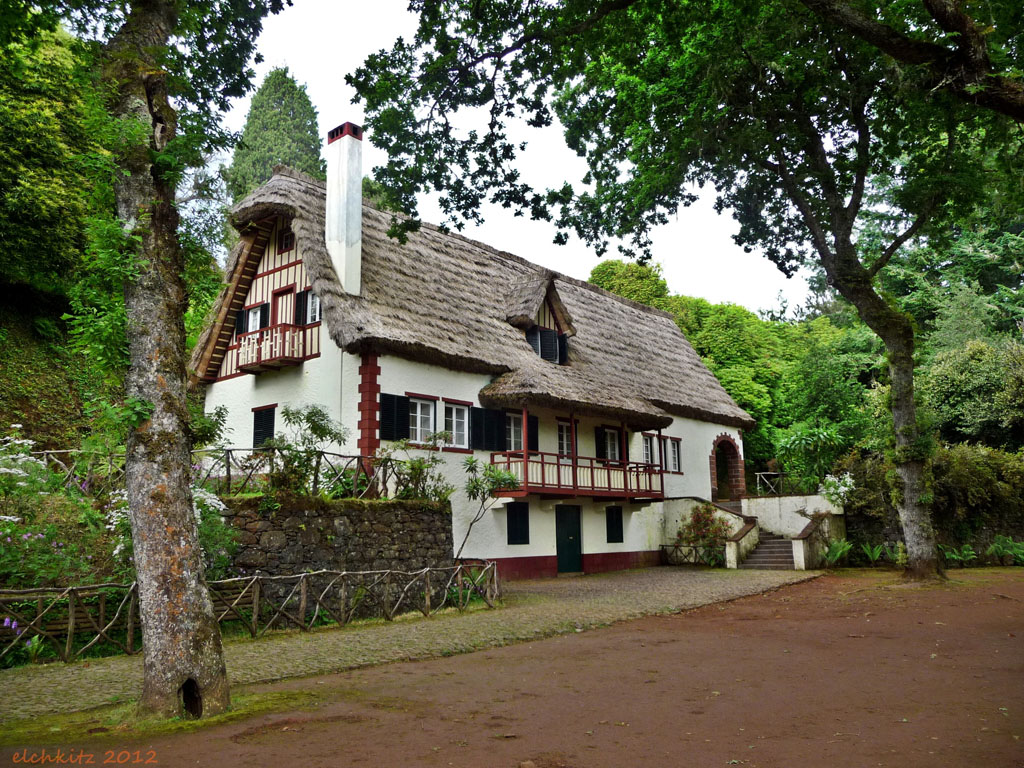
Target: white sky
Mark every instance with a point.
(320, 41)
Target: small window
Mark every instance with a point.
(613, 524)
(612, 450)
(262, 426)
(564, 439)
(285, 240)
(253, 321)
(518, 514)
(672, 449)
(312, 308)
(421, 420)
(513, 432)
(456, 421)
(648, 441)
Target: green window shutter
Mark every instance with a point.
(532, 423)
(613, 524)
(533, 338)
(494, 430)
(240, 316)
(518, 515)
(262, 426)
(600, 447)
(394, 417)
(549, 345)
(264, 316)
(563, 349)
(301, 304)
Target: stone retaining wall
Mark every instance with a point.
(347, 535)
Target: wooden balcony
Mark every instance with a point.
(270, 348)
(556, 476)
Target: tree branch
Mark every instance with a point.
(966, 70)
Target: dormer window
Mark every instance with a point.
(285, 240)
(550, 345)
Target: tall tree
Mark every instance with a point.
(196, 53)
(794, 122)
(281, 128)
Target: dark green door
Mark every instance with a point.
(568, 541)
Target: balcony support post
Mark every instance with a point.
(526, 453)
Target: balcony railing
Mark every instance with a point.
(556, 475)
(273, 347)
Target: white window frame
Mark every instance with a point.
(565, 439)
(672, 449)
(313, 309)
(613, 444)
(648, 444)
(453, 415)
(513, 431)
(421, 420)
(252, 319)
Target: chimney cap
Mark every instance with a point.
(345, 129)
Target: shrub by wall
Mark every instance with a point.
(978, 493)
(287, 535)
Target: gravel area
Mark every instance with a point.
(532, 609)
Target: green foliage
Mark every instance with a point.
(961, 556)
(1004, 547)
(810, 452)
(281, 128)
(836, 551)
(975, 392)
(705, 529)
(872, 552)
(640, 282)
(978, 493)
(485, 481)
(415, 476)
(297, 456)
(46, 150)
(217, 540)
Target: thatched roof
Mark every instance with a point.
(448, 300)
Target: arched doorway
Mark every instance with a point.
(727, 479)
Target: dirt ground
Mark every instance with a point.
(849, 670)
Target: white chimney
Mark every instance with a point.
(344, 213)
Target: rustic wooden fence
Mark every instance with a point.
(71, 620)
(227, 471)
(687, 554)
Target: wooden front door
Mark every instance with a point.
(568, 539)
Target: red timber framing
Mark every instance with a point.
(546, 566)
(556, 476)
(369, 405)
(281, 343)
(737, 485)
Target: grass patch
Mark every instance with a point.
(121, 722)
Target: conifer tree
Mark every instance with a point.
(281, 128)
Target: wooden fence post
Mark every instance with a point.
(255, 606)
(303, 594)
(426, 593)
(71, 625)
(131, 619)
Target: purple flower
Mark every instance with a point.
(28, 643)
(40, 535)
(8, 539)
(14, 625)
(26, 536)
(7, 621)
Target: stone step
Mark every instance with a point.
(766, 567)
(770, 560)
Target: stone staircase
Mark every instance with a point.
(773, 553)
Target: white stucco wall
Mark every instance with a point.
(315, 381)
(781, 514)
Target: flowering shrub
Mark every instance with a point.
(21, 473)
(837, 489)
(216, 539)
(707, 530)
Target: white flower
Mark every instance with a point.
(15, 426)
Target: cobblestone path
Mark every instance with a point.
(532, 609)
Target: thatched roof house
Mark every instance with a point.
(447, 300)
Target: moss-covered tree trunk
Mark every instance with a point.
(896, 331)
(184, 669)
